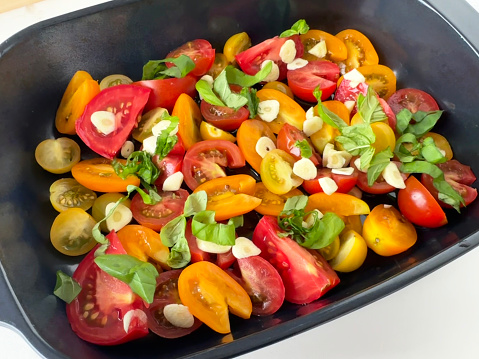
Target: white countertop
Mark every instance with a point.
(435, 317)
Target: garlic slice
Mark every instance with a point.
(244, 248)
(264, 145)
(211, 247)
(305, 169)
(274, 74)
(173, 182)
(328, 185)
(268, 110)
(287, 53)
(120, 217)
(104, 121)
(179, 315)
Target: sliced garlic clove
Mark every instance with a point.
(296, 181)
(305, 169)
(211, 247)
(268, 110)
(328, 149)
(274, 74)
(130, 315)
(209, 79)
(173, 182)
(347, 171)
(312, 125)
(349, 105)
(149, 145)
(357, 163)
(127, 149)
(120, 217)
(319, 50)
(178, 315)
(297, 64)
(287, 53)
(328, 185)
(335, 160)
(392, 176)
(104, 121)
(355, 77)
(161, 126)
(244, 248)
(264, 145)
(309, 219)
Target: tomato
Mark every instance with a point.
(328, 133)
(272, 204)
(288, 136)
(155, 216)
(57, 155)
(200, 51)
(263, 284)
(340, 203)
(389, 113)
(381, 78)
(337, 50)
(380, 186)
(331, 250)
(321, 73)
(360, 50)
(236, 44)
(346, 92)
(98, 175)
(223, 117)
(384, 137)
(165, 92)
(352, 252)
(277, 172)
(197, 254)
(412, 99)
(279, 86)
(67, 193)
(205, 159)
(305, 277)
(98, 210)
(248, 135)
(147, 122)
(126, 102)
(387, 232)
(79, 92)
(143, 243)
(167, 166)
(459, 176)
(210, 132)
(218, 65)
(345, 182)
(251, 59)
(190, 118)
(209, 292)
(114, 80)
(98, 313)
(419, 206)
(225, 260)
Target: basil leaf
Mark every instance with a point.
(207, 93)
(140, 276)
(237, 221)
(330, 117)
(369, 105)
(147, 198)
(237, 77)
(152, 70)
(195, 203)
(96, 233)
(299, 27)
(138, 163)
(304, 147)
(180, 254)
(324, 231)
(222, 88)
(366, 156)
(157, 69)
(173, 230)
(204, 227)
(430, 152)
(66, 288)
(425, 121)
(378, 163)
(402, 120)
(295, 203)
(253, 100)
(406, 154)
(165, 142)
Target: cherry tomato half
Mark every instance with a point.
(360, 50)
(380, 186)
(287, 138)
(412, 99)
(200, 51)
(57, 155)
(345, 182)
(272, 204)
(223, 117)
(190, 118)
(337, 50)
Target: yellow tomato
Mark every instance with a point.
(337, 50)
(360, 50)
(99, 206)
(331, 251)
(327, 133)
(236, 44)
(352, 252)
(57, 156)
(279, 86)
(340, 203)
(68, 193)
(219, 65)
(441, 143)
(210, 132)
(277, 172)
(384, 136)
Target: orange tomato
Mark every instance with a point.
(385, 136)
(98, 175)
(190, 118)
(328, 133)
(360, 50)
(210, 132)
(279, 86)
(80, 90)
(381, 78)
(337, 50)
(272, 204)
(219, 65)
(209, 292)
(340, 203)
(441, 143)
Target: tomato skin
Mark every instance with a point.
(112, 299)
(223, 117)
(412, 99)
(167, 166)
(200, 51)
(127, 102)
(345, 183)
(271, 203)
(190, 118)
(419, 206)
(305, 278)
(157, 215)
(287, 137)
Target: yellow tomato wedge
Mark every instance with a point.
(190, 118)
(384, 137)
(236, 44)
(352, 252)
(340, 203)
(210, 132)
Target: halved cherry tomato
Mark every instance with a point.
(287, 138)
(387, 232)
(57, 155)
(210, 132)
(225, 260)
(218, 65)
(380, 186)
(251, 59)
(155, 216)
(126, 102)
(205, 159)
(419, 206)
(272, 204)
(248, 135)
(68, 193)
(190, 118)
(360, 50)
(381, 78)
(79, 92)
(236, 44)
(305, 277)
(277, 172)
(200, 51)
(459, 176)
(352, 252)
(147, 122)
(167, 166)
(279, 86)
(98, 175)
(412, 99)
(209, 292)
(226, 118)
(346, 92)
(345, 182)
(167, 293)
(321, 73)
(340, 203)
(337, 50)
(384, 137)
(98, 313)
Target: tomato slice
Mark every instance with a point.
(378, 187)
(67, 193)
(337, 50)
(223, 117)
(305, 277)
(272, 204)
(321, 73)
(205, 159)
(459, 176)
(167, 293)
(360, 50)
(190, 118)
(126, 102)
(345, 182)
(251, 59)
(167, 166)
(412, 99)
(97, 313)
(200, 51)
(288, 136)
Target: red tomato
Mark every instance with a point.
(378, 187)
(263, 284)
(165, 92)
(320, 73)
(225, 260)
(200, 51)
(346, 92)
(419, 206)
(305, 278)
(204, 161)
(167, 293)
(223, 117)
(412, 99)
(126, 102)
(155, 216)
(96, 314)
(168, 166)
(459, 176)
(345, 183)
(250, 60)
(389, 113)
(287, 137)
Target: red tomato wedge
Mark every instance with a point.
(168, 166)
(412, 99)
(287, 138)
(223, 117)
(127, 103)
(200, 51)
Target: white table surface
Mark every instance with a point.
(435, 317)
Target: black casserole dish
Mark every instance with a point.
(428, 44)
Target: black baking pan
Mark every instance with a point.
(429, 44)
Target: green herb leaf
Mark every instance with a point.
(402, 120)
(295, 203)
(238, 77)
(222, 88)
(165, 142)
(305, 148)
(204, 227)
(430, 152)
(378, 163)
(299, 27)
(207, 93)
(423, 122)
(330, 117)
(253, 100)
(66, 288)
(157, 69)
(323, 232)
(237, 221)
(180, 254)
(195, 203)
(138, 163)
(366, 157)
(369, 107)
(173, 230)
(152, 198)
(406, 154)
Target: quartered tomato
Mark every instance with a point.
(167, 166)
(205, 160)
(321, 73)
(210, 294)
(189, 116)
(277, 172)
(337, 50)
(345, 182)
(305, 277)
(200, 51)
(272, 204)
(126, 102)
(360, 50)
(57, 155)
(287, 138)
(412, 99)
(459, 176)
(380, 186)
(106, 312)
(381, 78)
(223, 117)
